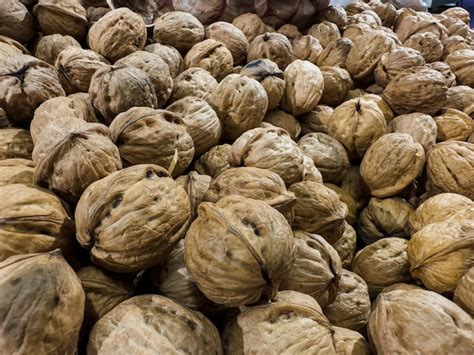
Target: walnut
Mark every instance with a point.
(382, 104)
(349, 341)
(462, 64)
(418, 125)
(195, 82)
(232, 37)
(16, 171)
(196, 186)
(458, 13)
(310, 172)
(454, 26)
(251, 25)
(346, 246)
(273, 46)
(460, 97)
(8, 51)
(335, 54)
(334, 14)
(453, 125)
(356, 8)
(325, 32)
(428, 44)
(444, 69)
(48, 47)
(290, 31)
(94, 14)
(355, 30)
(307, 48)
(463, 292)
(420, 22)
(453, 44)
(15, 143)
(279, 118)
(337, 83)
(170, 55)
(367, 17)
(16, 22)
(214, 161)
(386, 11)
(205, 11)
(347, 199)
(316, 120)
(354, 185)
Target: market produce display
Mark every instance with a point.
(235, 177)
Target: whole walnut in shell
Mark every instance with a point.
(94, 14)
(15, 143)
(250, 24)
(420, 22)
(462, 64)
(444, 69)
(355, 30)
(354, 185)
(16, 171)
(346, 245)
(386, 11)
(334, 14)
(453, 44)
(282, 119)
(170, 55)
(195, 82)
(421, 127)
(214, 161)
(250, 257)
(460, 97)
(381, 103)
(212, 56)
(453, 125)
(290, 31)
(367, 17)
(154, 322)
(49, 296)
(232, 37)
(195, 185)
(428, 44)
(350, 341)
(463, 292)
(335, 54)
(454, 26)
(48, 47)
(7, 50)
(337, 83)
(307, 48)
(458, 13)
(316, 120)
(325, 32)
(16, 22)
(273, 46)
(205, 11)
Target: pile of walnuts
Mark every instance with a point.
(235, 177)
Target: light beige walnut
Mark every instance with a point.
(460, 97)
(288, 122)
(381, 103)
(195, 82)
(396, 61)
(170, 55)
(307, 48)
(16, 21)
(337, 83)
(428, 44)
(232, 37)
(444, 69)
(195, 185)
(355, 30)
(454, 26)
(421, 127)
(346, 246)
(15, 143)
(419, 22)
(386, 11)
(290, 31)
(310, 172)
(453, 125)
(458, 13)
(334, 14)
(464, 290)
(316, 120)
(453, 44)
(273, 46)
(212, 56)
(462, 64)
(16, 171)
(48, 47)
(250, 24)
(214, 161)
(325, 32)
(335, 54)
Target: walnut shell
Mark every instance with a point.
(310, 172)
(316, 120)
(463, 292)
(307, 48)
(8, 51)
(94, 14)
(16, 22)
(346, 245)
(15, 143)
(354, 185)
(48, 47)
(347, 199)
(453, 125)
(334, 14)
(453, 44)
(214, 161)
(462, 64)
(454, 26)
(428, 44)
(444, 69)
(350, 341)
(395, 62)
(288, 122)
(290, 31)
(458, 13)
(205, 11)
(16, 171)
(251, 25)
(337, 83)
(325, 32)
(386, 11)
(195, 82)
(196, 186)
(355, 30)
(418, 125)
(232, 37)
(420, 22)
(170, 55)
(273, 46)
(460, 97)
(367, 17)
(335, 54)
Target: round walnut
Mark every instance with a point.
(94, 14)
(195, 186)
(428, 44)
(232, 37)
(463, 293)
(170, 55)
(154, 322)
(273, 46)
(334, 14)
(195, 82)
(13, 43)
(240, 103)
(115, 89)
(458, 13)
(418, 125)
(270, 76)
(316, 120)
(367, 17)
(444, 69)
(325, 32)
(406, 320)
(381, 103)
(48, 47)
(346, 245)
(48, 294)
(355, 30)
(453, 44)
(8, 51)
(290, 31)
(462, 64)
(254, 253)
(205, 11)
(347, 199)
(16, 171)
(453, 125)
(279, 118)
(251, 25)
(318, 210)
(214, 161)
(454, 26)
(419, 22)
(310, 172)
(337, 83)
(460, 97)
(386, 11)
(335, 54)
(440, 253)
(16, 22)
(141, 132)
(350, 341)
(307, 48)
(15, 143)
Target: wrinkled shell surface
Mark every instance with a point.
(337, 83)
(212, 56)
(233, 38)
(453, 125)
(428, 44)
(316, 120)
(16, 171)
(214, 161)
(346, 245)
(288, 122)
(15, 143)
(421, 127)
(195, 185)
(273, 46)
(15, 21)
(307, 48)
(48, 47)
(325, 32)
(335, 54)
(462, 64)
(463, 293)
(195, 82)
(170, 55)
(251, 25)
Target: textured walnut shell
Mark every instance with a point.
(353, 184)
(418, 125)
(463, 293)
(450, 168)
(232, 37)
(16, 22)
(195, 185)
(458, 13)
(453, 125)
(16, 171)
(347, 199)
(395, 62)
(170, 55)
(156, 69)
(417, 89)
(212, 56)
(8, 51)
(205, 11)
(444, 69)
(394, 149)
(253, 256)
(288, 122)
(347, 341)
(337, 83)
(318, 210)
(346, 245)
(366, 17)
(440, 253)
(428, 44)
(310, 172)
(195, 82)
(13, 43)
(357, 124)
(381, 103)
(147, 9)
(273, 46)
(270, 76)
(355, 30)
(48, 47)
(94, 14)
(240, 103)
(290, 31)
(286, 158)
(316, 120)
(47, 293)
(453, 44)
(115, 89)
(335, 54)
(420, 22)
(214, 161)
(155, 322)
(399, 319)
(307, 48)
(325, 32)
(460, 97)
(251, 25)
(25, 83)
(454, 26)
(15, 143)
(386, 11)
(462, 64)
(334, 14)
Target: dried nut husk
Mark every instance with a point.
(440, 253)
(16, 22)
(48, 294)
(458, 13)
(399, 319)
(160, 217)
(395, 62)
(421, 127)
(453, 125)
(212, 56)
(270, 76)
(94, 14)
(393, 149)
(316, 120)
(353, 184)
(444, 69)
(307, 48)
(450, 168)
(282, 119)
(240, 103)
(460, 97)
(25, 83)
(328, 154)
(15, 143)
(417, 89)
(334, 14)
(154, 322)
(335, 54)
(48, 47)
(273, 46)
(386, 11)
(357, 124)
(170, 55)
(205, 11)
(115, 89)
(201, 120)
(318, 210)
(253, 255)
(66, 17)
(214, 161)
(428, 44)
(232, 37)
(251, 25)
(304, 87)
(16, 171)
(346, 246)
(337, 83)
(325, 32)
(462, 64)
(355, 30)
(316, 268)
(118, 33)
(195, 82)
(346, 198)
(195, 185)
(156, 69)
(440, 208)
(141, 132)
(269, 148)
(464, 290)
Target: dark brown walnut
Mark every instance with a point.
(196, 186)
(238, 250)
(212, 56)
(269, 148)
(460, 97)
(16, 22)
(393, 149)
(240, 103)
(118, 33)
(346, 246)
(72, 154)
(310, 172)
(318, 210)
(195, 82)
(357, 124)
(48, 47)
(290, 31)
(170, 55)
(316, 268)
(205, 11)
(156, 69)
(66, 17)
(160, 216)
(444, 69)
(347, 199)
(251, 25)
(115, 89)
(316, 120)
(335, 54)
(450, 168)
(147, 9)
(270, 76)
(428, 44)
(25, 83)
(453, 44)
(337, 83)
(15, 143)
(420, 22)
(462, 64)
(147, 136)
(386, 11)
(273, 46)
(307, 48)
(458, 13)
(355, 30)
(440, 253)
(16, 171)
(214, 161)
(328, 154)
(178, 29)
(94, 14)
(417, 89)
(304, 87)
(48, 294)
(398, 323)
(418, 125)
(334, 14)
(463, 292)
(396, 61)
(154, 322)
(288, 122)
(325, 32)
(453, 125)
(232, 37)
